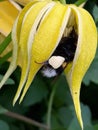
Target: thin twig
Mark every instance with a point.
(26, 120)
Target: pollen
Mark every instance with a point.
(56, 61)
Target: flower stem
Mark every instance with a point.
(80, 2)
(25, 119)
(63, 1)
(50, 105)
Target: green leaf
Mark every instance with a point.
(60, 128)
(65, 116)
(9, 81)
(37, 92)
(6, 97)
(74, 125)
(63, 1)
(70, 1)
(1, 38)
(86, 114)
(62, 95)
(96, 127)
(5, 43)
(4, 125)
(54, 121)
(5, 57)
(92, 73)
(79, 2)
(2, 110)
(92, 7)
(95, 12)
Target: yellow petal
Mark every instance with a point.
(15, 38)
(9, 10)
(50, 33)
(85, 52)
(47, 21)
(26, 44)
(8, 14)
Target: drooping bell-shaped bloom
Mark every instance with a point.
(37, 33)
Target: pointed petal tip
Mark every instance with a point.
(14, 103)
(16, 98)
(75, 96)
(21, 99)
(1, 84)
(81, 125)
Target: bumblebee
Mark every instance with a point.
(63, 55)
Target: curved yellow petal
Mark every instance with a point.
(32, 18)
(48, 20)
(50, 33)
(13, 63)
(85, 52)
(8, 14)
(15, 38)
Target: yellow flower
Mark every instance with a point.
(36, 35)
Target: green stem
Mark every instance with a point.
(5, 57)
(63, 1)
(50, 106)
(79, 2)
(5, 43)
(1, 0)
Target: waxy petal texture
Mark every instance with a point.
(85, 52)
